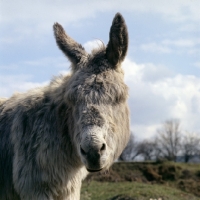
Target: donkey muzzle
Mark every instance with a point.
(94, 157)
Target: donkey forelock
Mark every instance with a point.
(52, 136)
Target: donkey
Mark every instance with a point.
(52, 137)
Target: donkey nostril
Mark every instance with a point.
(83, 152)
(103, 147)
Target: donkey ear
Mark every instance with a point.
(73, 50)
(118, 42)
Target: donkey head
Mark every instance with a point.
(98, 95)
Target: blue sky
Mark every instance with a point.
(162, 68)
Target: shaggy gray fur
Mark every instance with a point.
(50, 137)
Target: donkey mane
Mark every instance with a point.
(2, 100)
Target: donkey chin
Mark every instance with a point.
(94, 150)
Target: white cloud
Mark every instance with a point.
(56, 62)
(169, 96)
(27, 74)
(141, 131)
(197, 64)
(16, 83)
(90, 45)
(28, 18)
(186, 43)
(65, 10)
(189, 28)
(21, 82)
(172, 46)
(155, 48)
(147, 72)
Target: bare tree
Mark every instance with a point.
(190, 146)
(131, 150)
(169, 139)
(147, 149)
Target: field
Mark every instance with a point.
(144, 181)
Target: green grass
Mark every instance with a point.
(140, 191)
(143, 181)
